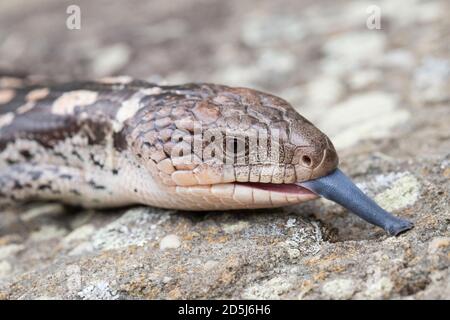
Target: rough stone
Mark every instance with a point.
(381, 95)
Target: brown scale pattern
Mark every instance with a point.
(160, 131)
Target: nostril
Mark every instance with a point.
(306, 160)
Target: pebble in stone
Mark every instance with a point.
(270, 289)
(402, 193)
(10, 249)
(47, 233)
(432, 81)
(379, 288)
(342, 288)
(110, 59)
(439, 244)
(399, 58)
(414, 11)
(324, 91)
(132, 228)
(80, 233)
(42, 210)
(170, 241)
(5, 269)
(98, 291)
(270, 30)
(364, 78)
(350, 50)
(235, 227)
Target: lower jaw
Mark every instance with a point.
(265, 195)
(238, 195)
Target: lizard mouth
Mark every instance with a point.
(281, 188)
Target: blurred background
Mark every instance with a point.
(373, 75)
(356, 75)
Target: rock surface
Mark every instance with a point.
(382, 95)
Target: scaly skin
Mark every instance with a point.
(120, 141)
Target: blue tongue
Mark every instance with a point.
(339, 188)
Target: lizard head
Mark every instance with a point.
(233, 145)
